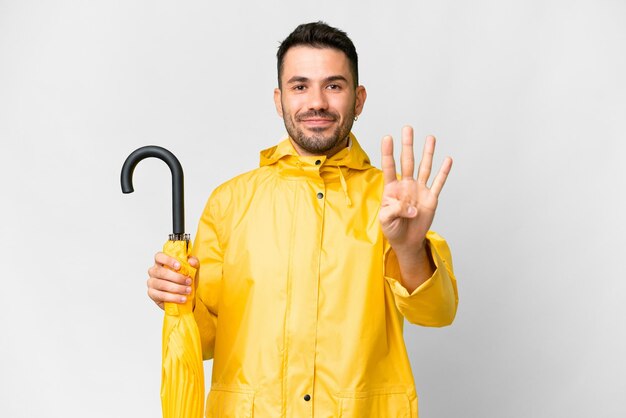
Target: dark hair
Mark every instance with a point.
(319, 35)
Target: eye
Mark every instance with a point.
(299, 87)
(333, 87)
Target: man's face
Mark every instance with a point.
(317, 99)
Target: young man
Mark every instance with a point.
(309, 264)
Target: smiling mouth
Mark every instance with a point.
(317, 121)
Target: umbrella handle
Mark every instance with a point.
(178, 204)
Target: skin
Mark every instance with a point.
(317, 99)
(408, 206)
(318, 102)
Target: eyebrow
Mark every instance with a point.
(297, 79)
(300, 79)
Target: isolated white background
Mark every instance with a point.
(529, 97)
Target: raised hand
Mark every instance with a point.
(408, 205)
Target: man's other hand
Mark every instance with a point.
(165, 284)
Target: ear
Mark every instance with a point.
(277, 101)
(361, 95)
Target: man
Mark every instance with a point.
(308, 264)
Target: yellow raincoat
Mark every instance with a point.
(299, 301)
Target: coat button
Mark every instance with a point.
(307, 397)
(318, 162)
(320, 195)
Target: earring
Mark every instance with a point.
(356, 118)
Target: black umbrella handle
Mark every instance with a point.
(178, 201)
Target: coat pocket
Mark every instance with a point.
(388, 403)
(229, 402)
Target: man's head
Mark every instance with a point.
(318, 95)
(319, 35)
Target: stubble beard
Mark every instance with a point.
(318, 143)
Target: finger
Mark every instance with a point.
(193, 262)
(407, 157)
(159, 297)
(396, 209)
(166, 260)
(387, 162)
(441, 177)
(167, 286)
(164, 273)
(427, 160)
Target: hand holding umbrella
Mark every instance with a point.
(182, 378)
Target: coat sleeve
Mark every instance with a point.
(435, 301)
(208, 278)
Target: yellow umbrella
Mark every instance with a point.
(182, 376)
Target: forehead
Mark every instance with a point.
(315, 63)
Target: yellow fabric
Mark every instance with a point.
(300, 295)
(182, 378)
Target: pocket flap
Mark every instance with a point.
(378, 403)
(229, 403)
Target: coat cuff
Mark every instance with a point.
(435, 301)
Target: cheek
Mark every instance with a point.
(343, 105)
(289, 107)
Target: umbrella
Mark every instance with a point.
(182, 377)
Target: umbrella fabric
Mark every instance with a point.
(182, 379)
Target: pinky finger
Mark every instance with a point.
(440, 180)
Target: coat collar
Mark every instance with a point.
(351, 157)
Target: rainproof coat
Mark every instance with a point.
(299, 300)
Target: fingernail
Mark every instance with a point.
(183, 299)
(188, 281)
(188, 290)
(412, 211)
(177, 265)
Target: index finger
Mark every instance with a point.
(387, 162)
(166, 260)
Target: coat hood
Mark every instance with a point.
(338, 167)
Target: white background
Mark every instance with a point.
(529, 97)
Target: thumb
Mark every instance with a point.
(396, 209)
(193, 262)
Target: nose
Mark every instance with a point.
(317, 99)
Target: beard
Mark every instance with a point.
(320, 141)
